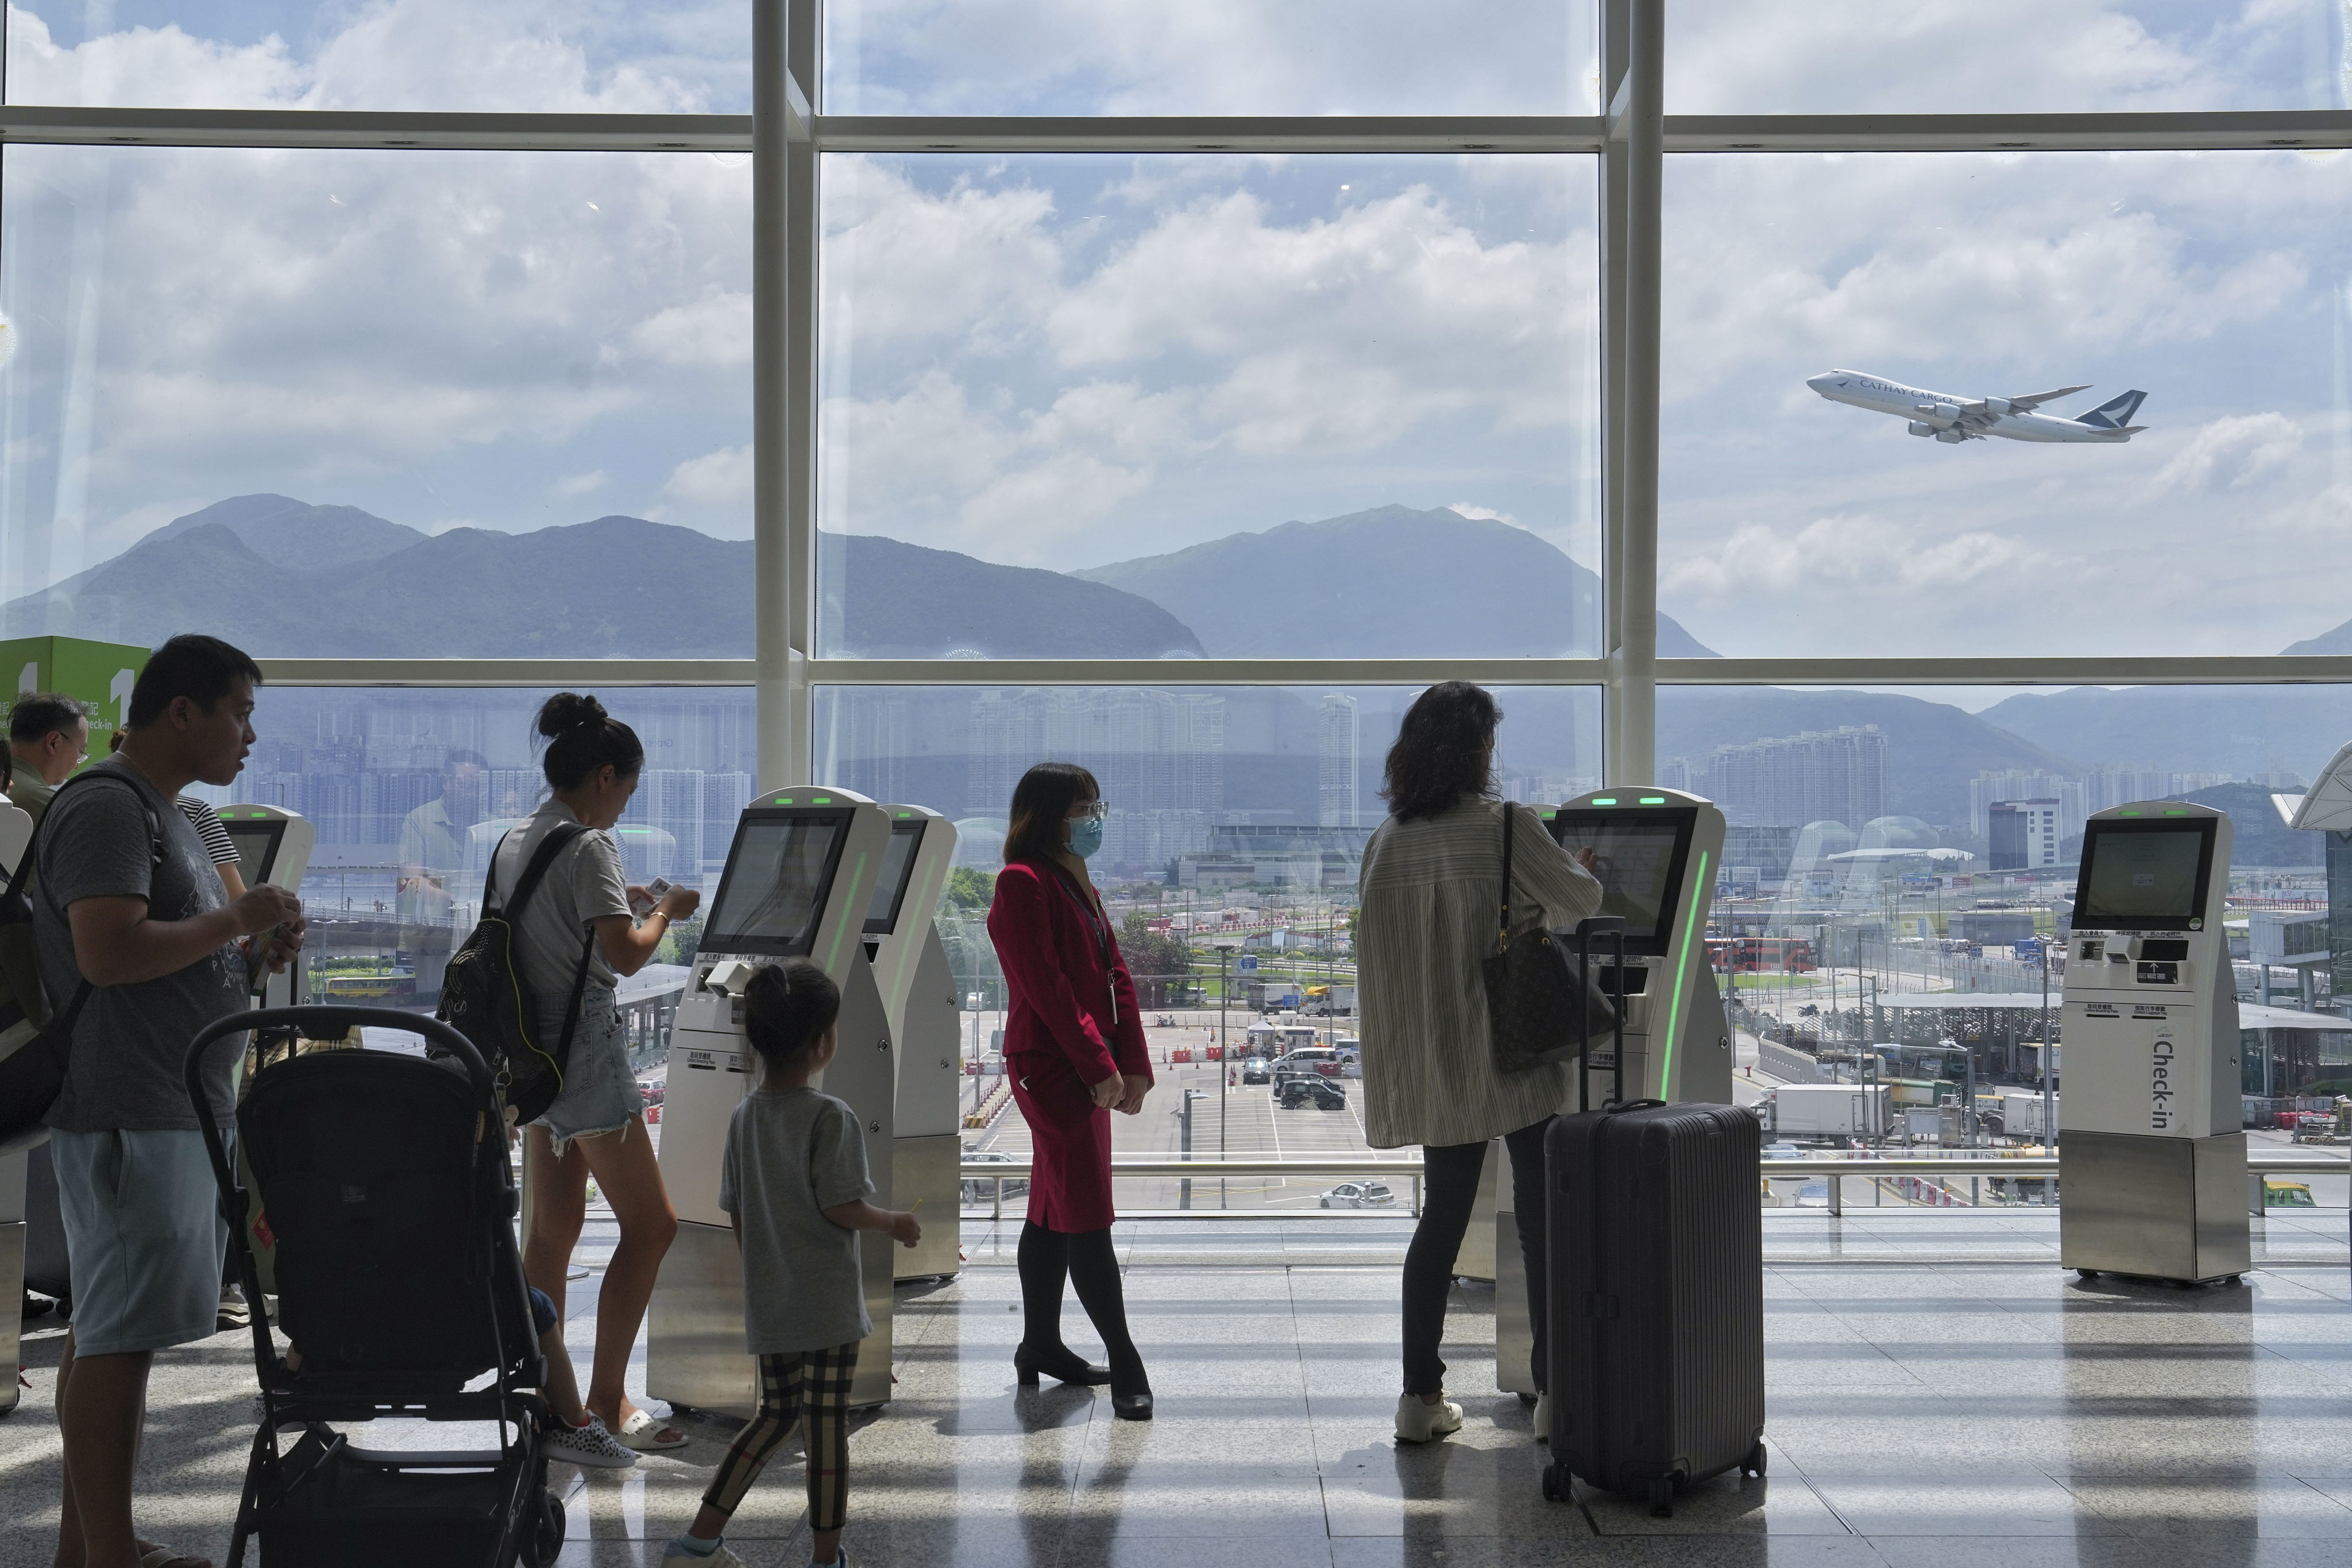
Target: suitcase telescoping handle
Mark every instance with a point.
(1586, 929)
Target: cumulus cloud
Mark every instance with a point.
(1844, 552)
(721, 479)
(1478, 512)
(2232, 453)
(581, 484)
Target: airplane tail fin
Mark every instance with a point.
(2114, 414)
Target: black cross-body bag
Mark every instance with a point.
(1541, 1006)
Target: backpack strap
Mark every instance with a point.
(62, 1024)
(561, 834)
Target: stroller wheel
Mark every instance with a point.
(547, 1533)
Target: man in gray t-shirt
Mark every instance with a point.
(127, 903)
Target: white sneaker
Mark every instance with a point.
(1418, 1423)
(722, 1558)
(1543, 1418)
(591, 1445)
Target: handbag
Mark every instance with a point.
(1542, 1006)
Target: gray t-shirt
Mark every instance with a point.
(792, 1154)
(584, 884)
(131, 1043)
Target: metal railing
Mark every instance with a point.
(2005, 1166)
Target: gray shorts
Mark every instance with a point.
(600, 1088)
(144, 1237)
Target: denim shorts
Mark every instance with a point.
(600, 1088)
(144, 1236)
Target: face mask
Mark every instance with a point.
(1086, 837)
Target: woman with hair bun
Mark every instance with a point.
(596, 1127)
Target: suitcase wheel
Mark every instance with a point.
(1555, 1483)
(1754, 1464)
(1661, 1497)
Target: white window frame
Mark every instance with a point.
(787, 132)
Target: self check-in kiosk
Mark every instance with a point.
(1656, 852)
(2152, 1150)
(919, 998)
(799, 883)
(273, 846)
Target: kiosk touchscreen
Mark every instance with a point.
(2152, 1147)
(273, 846)
(1656, 852)
(919, 996)
(799, 881)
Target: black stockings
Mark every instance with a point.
(1048, 1256)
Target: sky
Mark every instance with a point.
(1065, 361)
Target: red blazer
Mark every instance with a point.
(1062, 997)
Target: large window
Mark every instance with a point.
(1182, 389)
(2211, 284)
(342, 402)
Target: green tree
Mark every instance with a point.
(968, 891)
(1158, 961)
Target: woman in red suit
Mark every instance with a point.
(1074, 1050)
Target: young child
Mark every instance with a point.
(793, 1183)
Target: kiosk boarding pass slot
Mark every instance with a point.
(918, 992)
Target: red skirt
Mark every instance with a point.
(1069, 1137)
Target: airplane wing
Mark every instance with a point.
(2032, 400)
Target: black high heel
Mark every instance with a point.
(1134, 1403)
(1067, 1367)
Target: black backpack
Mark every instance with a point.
(483, 996)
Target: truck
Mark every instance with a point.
(1846, 1113)
(1330, 1002)
(2021, 1113)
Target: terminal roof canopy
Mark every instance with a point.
(2328, 807)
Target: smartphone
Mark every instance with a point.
(645, 903)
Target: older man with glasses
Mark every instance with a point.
(49, 738)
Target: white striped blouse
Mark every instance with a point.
(1429, 902)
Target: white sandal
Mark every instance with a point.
(642, 1433)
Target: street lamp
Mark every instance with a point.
(1224, 1056)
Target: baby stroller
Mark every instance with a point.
(388, 1188)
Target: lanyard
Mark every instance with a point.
(1094, 923)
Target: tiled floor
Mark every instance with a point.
(1924, 1410)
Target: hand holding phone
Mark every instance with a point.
(643, 901)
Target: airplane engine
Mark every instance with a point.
(1997, 405)
(1949, 437)
(1936, 415)
(1919, 427)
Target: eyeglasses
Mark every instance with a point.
(1098, 810)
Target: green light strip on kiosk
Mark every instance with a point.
(1674, 1012)
(835, 956)
(1604, 800)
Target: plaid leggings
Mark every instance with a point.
(814, 1387)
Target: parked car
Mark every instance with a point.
(1359, 1195)
(1257, 1069)
(1327, 1094)
(977, 1190)
(1814, 1195)
(1322, 1061)
(652, 1091)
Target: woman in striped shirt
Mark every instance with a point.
(1431, 882)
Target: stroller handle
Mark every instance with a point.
(325, 1023)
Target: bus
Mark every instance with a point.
(1789, 954)
(364, 990)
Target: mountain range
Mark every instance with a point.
(287, 577)
(1391, 583)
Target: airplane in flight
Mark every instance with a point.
(1955, 419)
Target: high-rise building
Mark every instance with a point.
(1158, 757)
(1988, 788)
(2106, 788)
(1338, 765)
(1836, 776)
(2023, 834)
